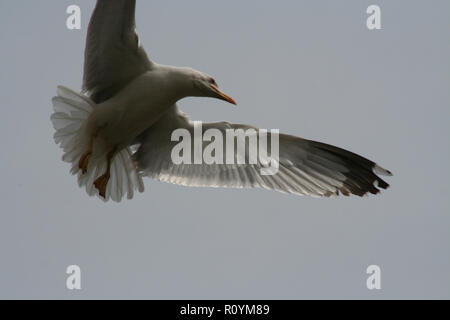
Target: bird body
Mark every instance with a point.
(120, 119)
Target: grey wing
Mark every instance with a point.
(305, 167)
(113, 54)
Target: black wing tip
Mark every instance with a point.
(362, 180)
(371, 185)
(381, 171)
(363, 175)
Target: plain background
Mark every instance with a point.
(309, 68)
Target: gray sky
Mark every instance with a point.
(309, 68)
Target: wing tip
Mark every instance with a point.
(381, 171)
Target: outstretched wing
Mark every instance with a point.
(305, 167)
(113, 54)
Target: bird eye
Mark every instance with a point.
(212, 81)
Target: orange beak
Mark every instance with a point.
(223, 95)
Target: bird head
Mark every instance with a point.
(206, 86)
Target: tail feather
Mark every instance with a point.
(71, 112)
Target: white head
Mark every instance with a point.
(205, 86)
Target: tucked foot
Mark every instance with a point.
(84, 161)
(101, 183)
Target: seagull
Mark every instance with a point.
(118, 129)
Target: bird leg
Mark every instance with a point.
(101, 182)
(84, 160)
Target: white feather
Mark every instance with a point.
(71, 111)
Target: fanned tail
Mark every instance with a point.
(71, 112)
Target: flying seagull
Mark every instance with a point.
(119, 128)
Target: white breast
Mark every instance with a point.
(134, 109)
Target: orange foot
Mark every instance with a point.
(83, 163)
(101, 183)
